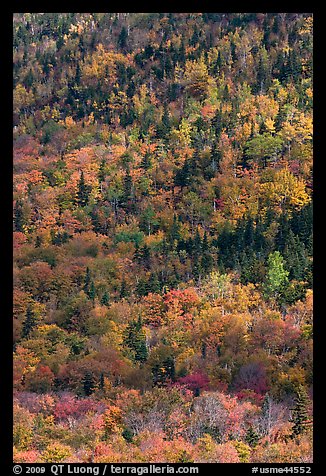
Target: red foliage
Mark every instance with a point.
(252, 376)
(69, 407)
(195, 381)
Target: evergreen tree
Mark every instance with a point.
(127, 186)
(20, 219)
(282, 236)
(29, 322)
(146, 161)
(217, 123)
(296, 257)
(184, 176)
(122, 39)
(207, 261)
(215, 157)
(174, 234)
(92, 291)
(154, 285)
(204, 350)
(145, 256)
(142, 287)
(88, 382)
(135, 339)
(123, 289)
(83, 191)
(87, 280)
(105, 300)
(164, 127)
(102, 171)
(170, 368)
(77, 75)
(299, 416)
(251, 437)
(38, 242)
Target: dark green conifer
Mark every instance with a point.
(300, 418)
(29, 322)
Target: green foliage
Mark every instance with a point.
(83, 191)
(300, 418)
(135, 339)
(263, 148)
(276, 276)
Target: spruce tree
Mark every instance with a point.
(92, 291)
(105, 300)
(142, 288)
(29, 322)
(251, 437)
(122, 39)
(102, 172)
(101, 384)
(300, 417)
(174, 234)
(88, 383)
(87, 280)
(146, 161)
(19, 216)
(38, 242)
(127, 186)
(204, 350)
(135, 339)
(123, 289)
(207, 262)
(83, 191)
(153, 285)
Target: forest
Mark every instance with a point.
(162, 232)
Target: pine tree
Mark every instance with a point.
(87, 280)
(38, 242)
(127, 435)
(127, 186)
(77, 75)
(218, 64)
(19, 216)
(300, 417)
(142, 287)
(92, 291)
(184, 175)
(145, 256)
(153, 285)
(170, 368)
(197, 245)
(165, 127)
(123, 290)
(251, 437)
(105, 300)
(88, 383)
(215, 157)
(83, 191)
(174, 234)
(135, 339)
(146, 161)
(207, 261)
(29, 322)
(122, 39)
(282, 236)
(102, 172)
